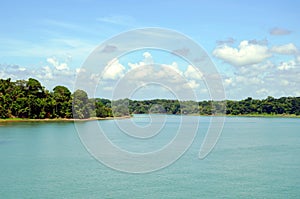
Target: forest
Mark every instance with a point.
(29, 99)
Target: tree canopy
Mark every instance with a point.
(29, 99)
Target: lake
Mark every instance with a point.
(254, 158)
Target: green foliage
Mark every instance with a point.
(81, 106)
(29, 99)
(120, 107)
(103, 108)
(270, 106)
(63, 102)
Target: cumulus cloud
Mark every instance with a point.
(298, 57)
(263, 91)
(192, 84)
(287, 65)
(46, 73)
(192, 73)
(147, 60)
(80, 70)
(147, 55)
(165, 78)
(247, 53)
(279, 31)
(228, 82)
(170, 75)
(22, 69)
(113, 70)
(13, 71)
(284, 82)
(287, 49)
(136, 65)
(174, 67)
(50, 73)
(59, 66)
(265, 79)
(139, 74)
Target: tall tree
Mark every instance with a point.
(80, 105)
(63, 101)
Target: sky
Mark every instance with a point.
(254, 45)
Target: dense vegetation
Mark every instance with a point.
(29, 99)
(249, 106)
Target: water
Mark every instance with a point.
(254, 158)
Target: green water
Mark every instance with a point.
(254, 158)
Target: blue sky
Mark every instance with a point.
(255, 45)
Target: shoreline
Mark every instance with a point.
(127, 117)
(266, 116)
(244, 115)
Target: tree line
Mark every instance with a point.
(29, 99)
(249, 106)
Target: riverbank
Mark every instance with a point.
(243, 115)
(266, 115)
(126, 117)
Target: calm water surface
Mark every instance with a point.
(254, 158)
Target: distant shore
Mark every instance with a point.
(126, 117)
(60, 119)
(266, 115)
(244, 115)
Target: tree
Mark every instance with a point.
(102, 110)
(80, 105)
(6, 100)
(120, 107)
(63, 101)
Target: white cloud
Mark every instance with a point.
(108, 88)
(193, 73)
(298, 58)
(140, 74)
(287, 65)
(262, 80)
(48, 72)
(174, 67)
(95, 78)
(59, 66)
(147, 60)
(192, 84)
(22, 69)
(287, 49)
(247, 53)
(228, 81)
(136, 65)
(147, 55)
(262, 91)
(284, 82)
(113, 70)
(80, 70)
